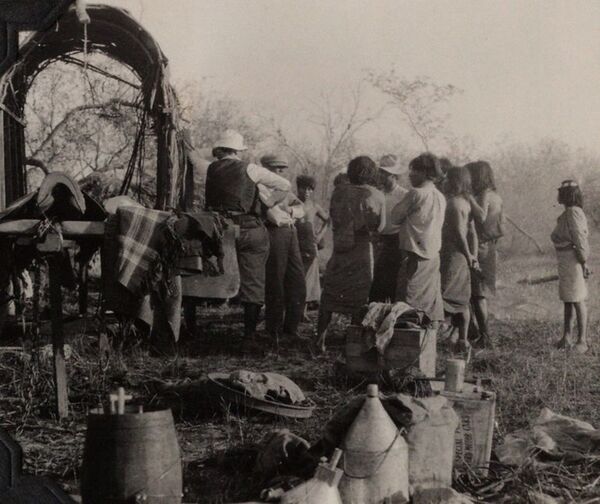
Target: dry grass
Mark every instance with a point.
(526, 372)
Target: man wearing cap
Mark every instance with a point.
(285, 291)
(388, 255)
(420, 216)
(232, 189)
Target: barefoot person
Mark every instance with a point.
(459, 252)
(421, 216)
(487, 209)
(311, 230)
(570, 238)
(388, 257)
(357, 211)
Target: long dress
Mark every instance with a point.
(454, 268)
(419, 283)
(569, 235)
(355, 214)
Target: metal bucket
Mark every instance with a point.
(133, 457)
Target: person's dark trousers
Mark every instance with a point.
(251, 316)
(252, 248)
(285, 287)
(388, 259)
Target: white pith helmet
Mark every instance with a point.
(231, 139)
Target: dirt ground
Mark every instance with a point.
(525, 370)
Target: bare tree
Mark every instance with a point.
(208, 113)
(419, 100)
(83, 122)
(335, 119)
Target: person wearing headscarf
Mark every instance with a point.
(311, 232)
(420, 216)
(459, 253)
(285, 289)
(487, 209)
(232, 189)
(357, 211)
(388, 257)
(570, 238)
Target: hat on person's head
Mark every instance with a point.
(274, 161)
(231, 139)
(389, 163)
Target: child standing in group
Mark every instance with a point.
(570, 238)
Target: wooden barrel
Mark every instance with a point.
(130, 458)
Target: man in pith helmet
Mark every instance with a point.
(232, 189)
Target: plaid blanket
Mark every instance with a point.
(146, 245)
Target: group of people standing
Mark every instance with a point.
(432, 245)
(279, 237)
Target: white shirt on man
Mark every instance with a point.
(420, 215)
(392, 198)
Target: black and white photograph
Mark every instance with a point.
(299, 251)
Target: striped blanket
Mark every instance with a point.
(146, 242)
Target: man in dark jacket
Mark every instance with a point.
(285, 292)
(232, 189)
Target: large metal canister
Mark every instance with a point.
(375, 461)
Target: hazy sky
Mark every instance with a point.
(529, 69)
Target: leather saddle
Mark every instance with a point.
(58, 197)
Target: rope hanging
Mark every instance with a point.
(136, 161)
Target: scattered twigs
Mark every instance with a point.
(568, 482)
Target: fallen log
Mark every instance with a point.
(539, 280)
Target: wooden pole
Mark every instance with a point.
(83, 288)
(521, 230)
(58, 339)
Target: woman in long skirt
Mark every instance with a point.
(488, 213)
(570, 238)
(357, 211)
(459, 252)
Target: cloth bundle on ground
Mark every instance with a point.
(381, 319)
(269, 386)
(282, 452)
(552, 437)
